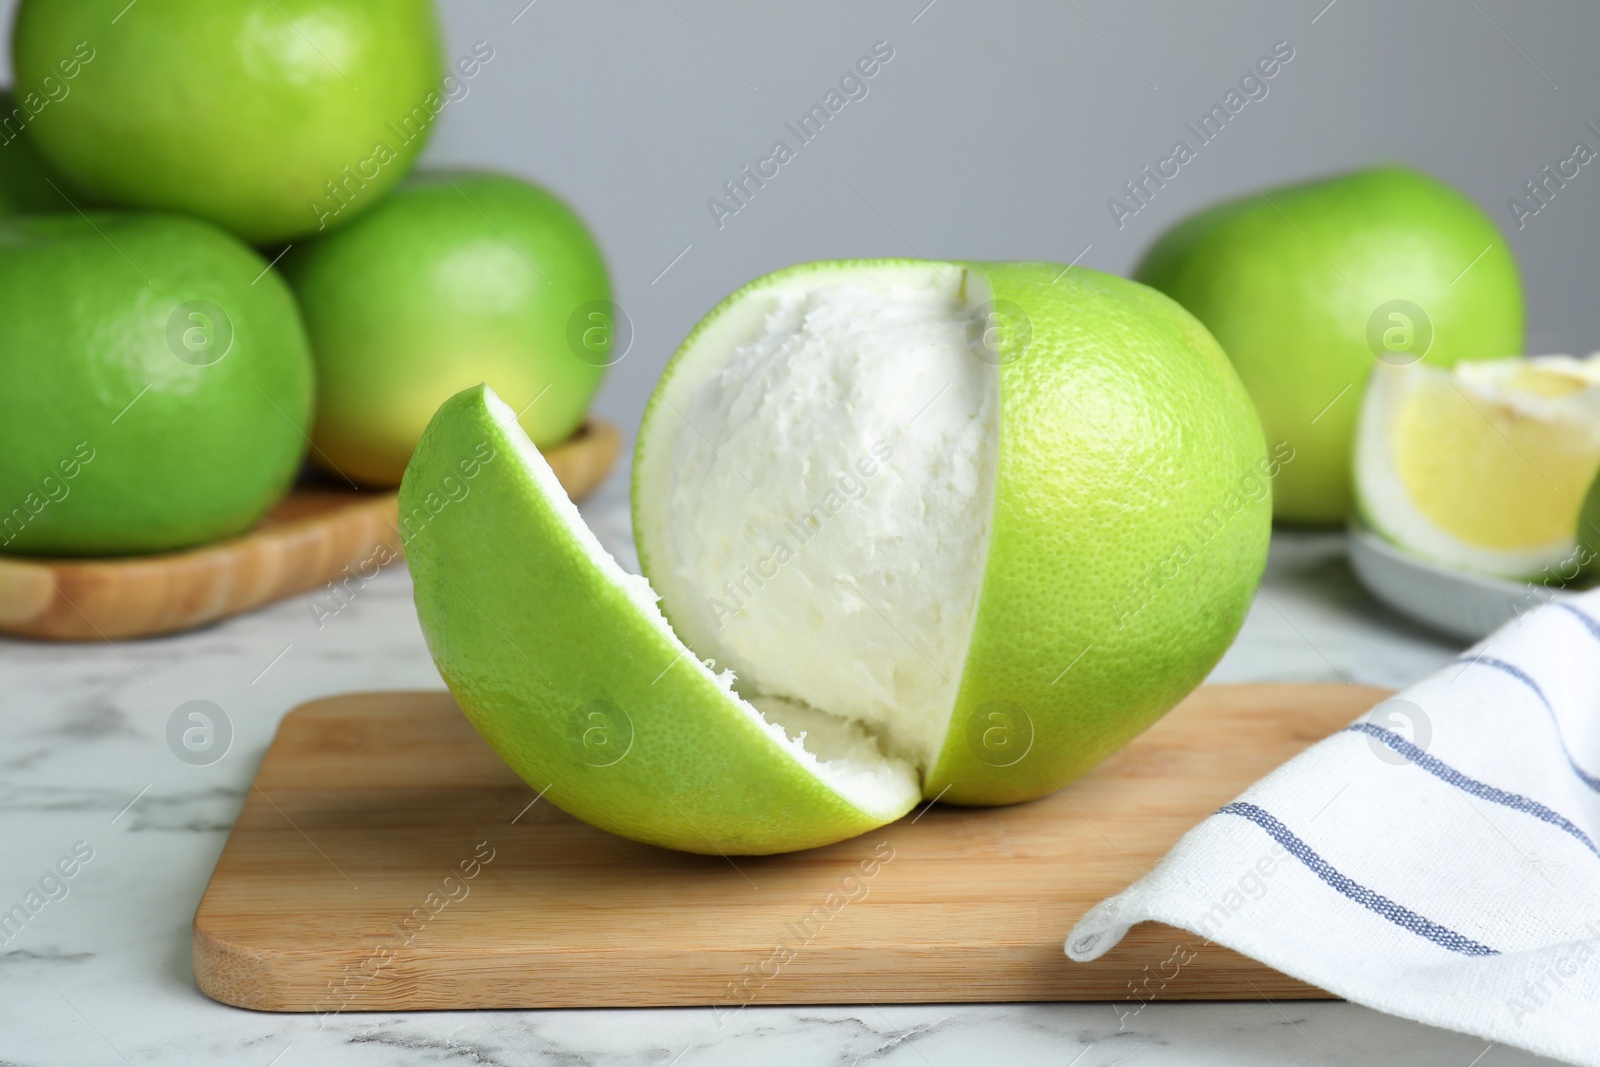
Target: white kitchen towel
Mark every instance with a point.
(1436, 859)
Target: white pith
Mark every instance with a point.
(1382, 496)
(814, 492)
(840, 754)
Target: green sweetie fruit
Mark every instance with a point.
(271, 118)
(919, 530)
(1307, 286)
(457, 278)
(155, 384)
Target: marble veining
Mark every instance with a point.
(101, 974)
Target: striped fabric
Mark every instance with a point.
(1435, 860)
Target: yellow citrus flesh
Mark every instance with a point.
(1486, 470)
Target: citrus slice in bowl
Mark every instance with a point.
(1483, 466)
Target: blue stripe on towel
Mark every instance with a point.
(1516, 672)
(1594, 627)
(1522, 676)
(1398, 914)
(1446, 773)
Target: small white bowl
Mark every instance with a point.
(1464, 605)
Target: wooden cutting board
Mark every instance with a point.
(386, 859)
(308, 540)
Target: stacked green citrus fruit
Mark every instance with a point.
(159, 372)
(157, 383)
(454, 279)
(271, 118)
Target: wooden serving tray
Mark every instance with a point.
(387, 860)
(306, 541)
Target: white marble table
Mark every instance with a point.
(103, 976)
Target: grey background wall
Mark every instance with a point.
(999, 130)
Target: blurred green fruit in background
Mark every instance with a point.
(155, 384)
(272, 118)
(1308, 285)
(455, 279)
(24, 178)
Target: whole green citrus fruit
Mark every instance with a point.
(456, 278)
(272, 118)
(155, 384)
(918, 529)
(1308, 285)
